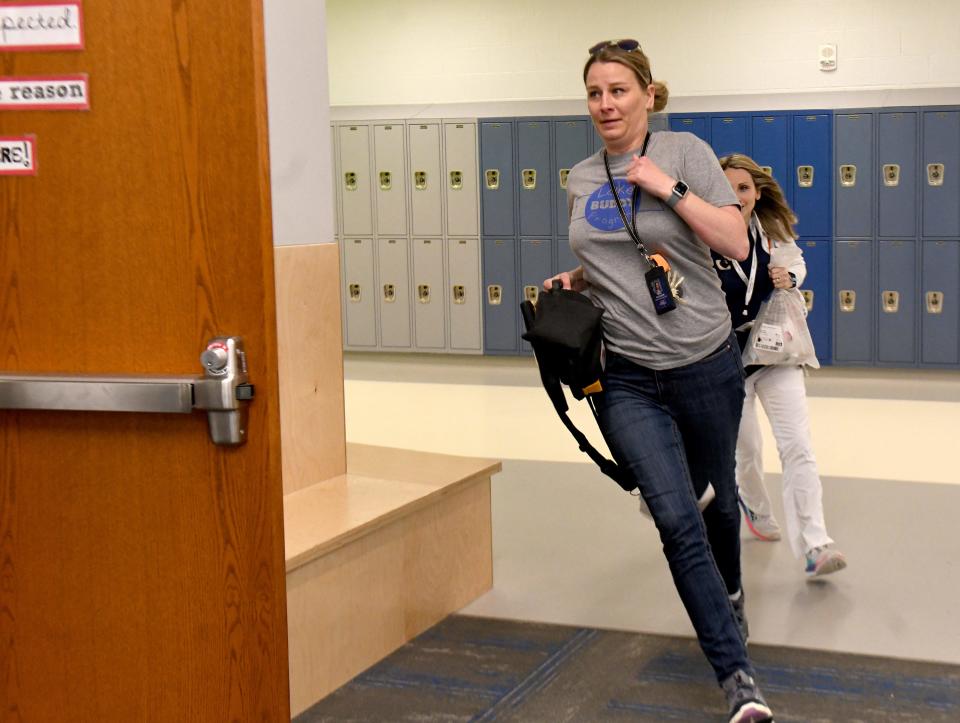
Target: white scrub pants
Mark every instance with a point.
(783, 395)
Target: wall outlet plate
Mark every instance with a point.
(827, 57)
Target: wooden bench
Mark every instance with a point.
(376, 556)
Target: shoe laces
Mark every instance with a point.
(740, 688)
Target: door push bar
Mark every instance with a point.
(223, 391)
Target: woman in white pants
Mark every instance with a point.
(780, 389)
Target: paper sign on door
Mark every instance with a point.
(41, 25)
(61, 92)
(18, 156)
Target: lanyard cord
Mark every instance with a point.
(754, 236)
(630, 227)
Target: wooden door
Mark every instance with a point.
(142, 567)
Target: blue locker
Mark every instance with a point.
(853, 198)
(897, 139)
(770, 146)
(817, 291)
(813, 188)
(501, 309)
(496, 177)
(696, 123)
(853, 302)
(940, 173)
(570, 146)
(566, 259)
(730, 133)
(534, 182)
(896, 299)
(940, 303)
(536, 264)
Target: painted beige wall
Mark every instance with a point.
(428, 51)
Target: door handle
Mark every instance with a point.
(222, 391)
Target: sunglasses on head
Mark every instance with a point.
(628, 46)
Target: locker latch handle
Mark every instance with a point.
(530, 293)
(456, 180)
(354, 291)
(848, 300)
(423, 293)
(805, 176)
(935, 174)
(848, 175)
(494, 294)
(385, 181)
(890, 301)
(564, 172)
(934, 302)
(389, 293)
(807, 298)
(492, 176)
(891, 174)
(529, 176)
(767, 169)
(420, 180)
(350, 180)
(459, 294)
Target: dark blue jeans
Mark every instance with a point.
(676, 430)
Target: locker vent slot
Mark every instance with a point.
(492, 176)
(494, 294)
(805, 176)
(934, 302)
(350, 180)
(529, 178)
(385, 181)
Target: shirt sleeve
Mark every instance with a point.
(702, 173)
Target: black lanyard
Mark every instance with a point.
(632, 226)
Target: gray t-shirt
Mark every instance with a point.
(615, 269)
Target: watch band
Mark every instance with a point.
(677, 193)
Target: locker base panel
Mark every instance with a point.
(376, 556)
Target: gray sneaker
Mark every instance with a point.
(740, 614)
(745, 700)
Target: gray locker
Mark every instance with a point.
(896, 302)
(460, 184)
(428, 295)
(656, 122)
(940, 173)
(393, 292)
(426, 182)
(356, 201)
(463, 295)
(939, 307)
(571, 145)
(534, 188)
(853, 302)
(855, 174)
(390, 178)
(501, 308)
(566, 259)
(496, 178)
(359, 294)
(536, 264)
(897, 139)
(335, 184)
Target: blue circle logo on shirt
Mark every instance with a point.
(601, 210)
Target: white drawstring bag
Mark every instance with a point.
(779, 335)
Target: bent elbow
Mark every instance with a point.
(741, 249)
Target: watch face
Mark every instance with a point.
(680, 190)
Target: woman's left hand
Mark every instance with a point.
(780, 277)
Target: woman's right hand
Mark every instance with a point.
(568, 279)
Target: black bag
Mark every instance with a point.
(566, 333)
